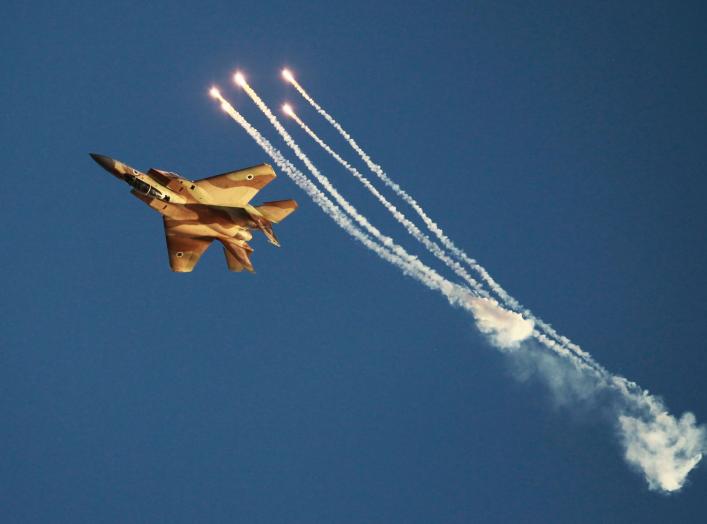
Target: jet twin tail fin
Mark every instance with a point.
(237, 256)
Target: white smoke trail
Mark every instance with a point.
(663, 448)
(660, 446)
(323, 180)
(505, 297)
(411, 228)
(455, 294)
(502, 334)
(502, 329)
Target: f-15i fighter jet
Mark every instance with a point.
(215, 208)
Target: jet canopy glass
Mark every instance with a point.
(145, 188)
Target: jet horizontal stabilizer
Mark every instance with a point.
(277, 211)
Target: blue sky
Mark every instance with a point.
(563, 146)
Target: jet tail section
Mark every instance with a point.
(277, 211)
(269, 213)
(262, 223)
(237, 256)
(266, 227)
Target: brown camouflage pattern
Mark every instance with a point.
(195, 213)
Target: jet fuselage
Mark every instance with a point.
(198, 212)
(184, 203)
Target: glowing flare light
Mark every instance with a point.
(287, 75)
(239, 79)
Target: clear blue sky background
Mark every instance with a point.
(560, 143)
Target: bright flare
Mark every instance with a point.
(239, 79)
(287, 109)
(287, 75)
(215, 93)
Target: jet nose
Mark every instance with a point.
(103, 161)
(115, 168)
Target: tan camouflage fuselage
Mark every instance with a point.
(199, 212)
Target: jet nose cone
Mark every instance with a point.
(103, 161)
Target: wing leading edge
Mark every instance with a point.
(184, 251)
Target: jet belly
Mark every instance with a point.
(198, 220)
(195, 229)
(211, 229)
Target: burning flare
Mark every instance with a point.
(287, 75)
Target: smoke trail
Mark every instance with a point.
(498, 331)
(411, 228)
(505, 297)
(411, 266)
(323, 180)
(397, 249)
(504, 329)
(663, 448)
(666, 449)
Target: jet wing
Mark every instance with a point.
(236, 188)
(184, 251)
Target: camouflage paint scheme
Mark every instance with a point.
(215, 208)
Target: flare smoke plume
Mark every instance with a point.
(663, 448)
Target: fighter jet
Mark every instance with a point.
(195, 213)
